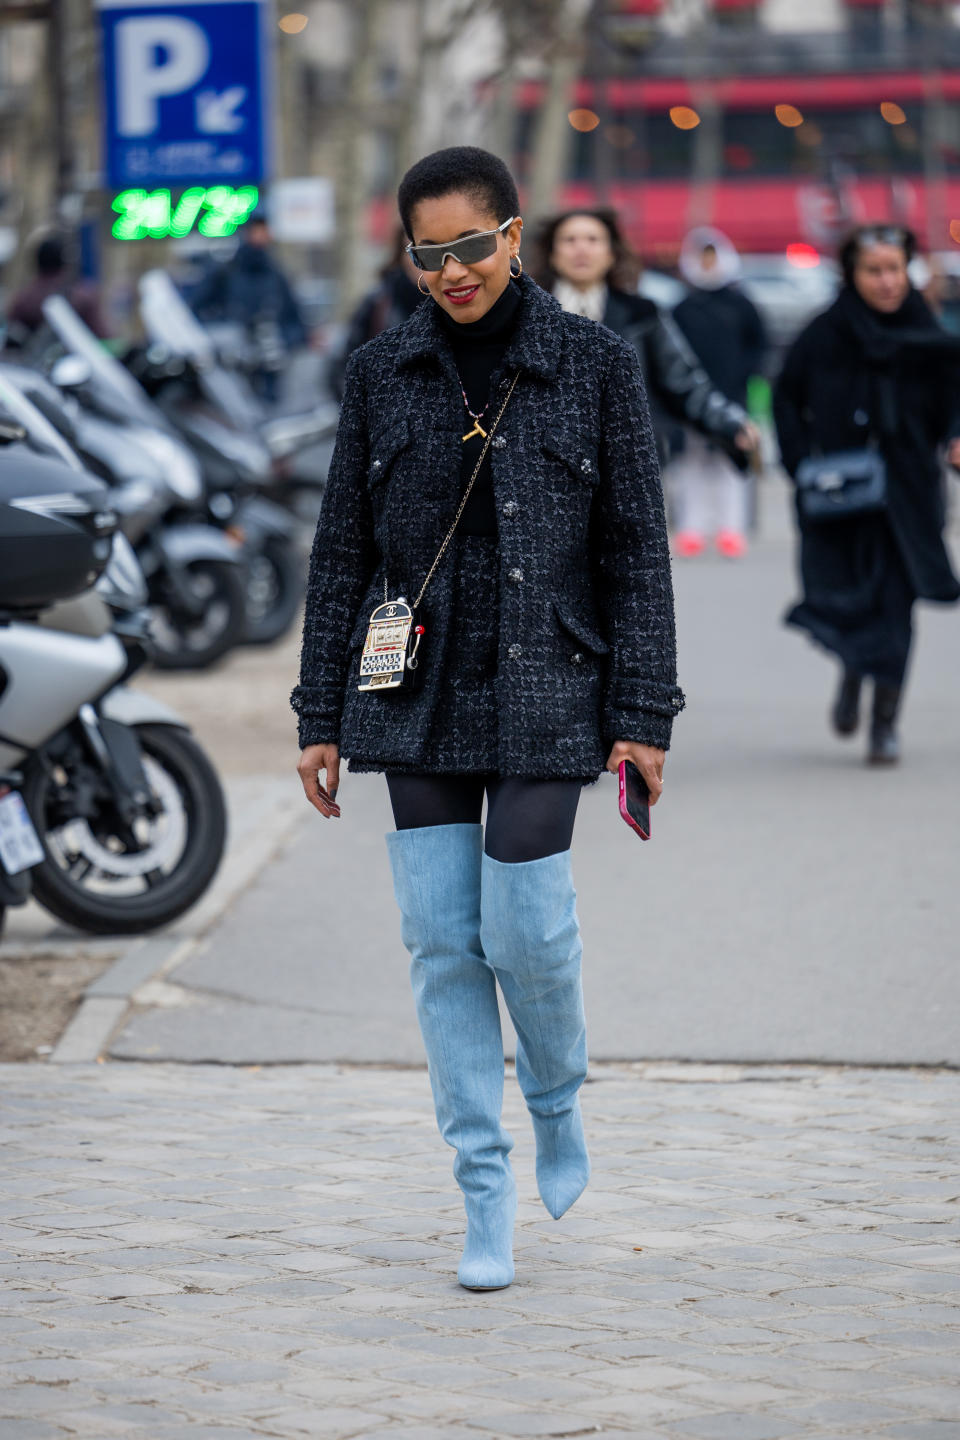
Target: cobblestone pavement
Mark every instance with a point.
(211, 1252)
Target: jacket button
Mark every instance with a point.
(514, 652)
(515, 576)
(376, 464)
(498, 442)
(586, 466)
(510, 509)
(576, 659)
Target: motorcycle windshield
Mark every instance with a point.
(41, 434)
(107, 372)
(169, 321)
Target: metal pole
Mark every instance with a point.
(57, 80)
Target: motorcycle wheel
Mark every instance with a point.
(93, 879)
(275, 584)
(181, 641)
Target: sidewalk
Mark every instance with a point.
(208, 1252)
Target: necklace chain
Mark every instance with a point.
(476, 418)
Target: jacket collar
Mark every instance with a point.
(534, 345)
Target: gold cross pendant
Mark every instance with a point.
(477, 430)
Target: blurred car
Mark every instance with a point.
(789, 289)
(666, 291)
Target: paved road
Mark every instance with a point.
(794, 905)
(196, 1251)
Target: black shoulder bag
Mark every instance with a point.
(842, 485)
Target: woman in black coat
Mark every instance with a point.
(585, 263)
(876, 370)
(546, 652)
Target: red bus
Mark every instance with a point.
(795, 159)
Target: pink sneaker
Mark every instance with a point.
(687, 543)
(731, 544)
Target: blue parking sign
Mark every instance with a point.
(186, 94)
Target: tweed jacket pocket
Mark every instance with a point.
(577, 453)
(385, 446)
(578, 630)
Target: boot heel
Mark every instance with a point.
(487, 1262)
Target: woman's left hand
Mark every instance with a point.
(648, 760)
(953, 454)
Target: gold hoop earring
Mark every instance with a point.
(420, 277)
(519, 270)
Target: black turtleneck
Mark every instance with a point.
(478, 348)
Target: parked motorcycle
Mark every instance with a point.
(206, 535)
(186, 373)
(233, 477)
(126, 809)
(195, 573)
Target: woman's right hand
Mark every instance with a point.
(312, 760)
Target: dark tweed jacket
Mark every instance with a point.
(586, 625)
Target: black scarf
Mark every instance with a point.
(882, 338)
(886, 341)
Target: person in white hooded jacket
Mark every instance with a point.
(709, 494)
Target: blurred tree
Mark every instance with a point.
(351, 153)
(562, 27)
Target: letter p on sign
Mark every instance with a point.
(157, 55)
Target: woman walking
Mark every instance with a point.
(710, 494)
(871, 389)
(585, 262)
(543, 638)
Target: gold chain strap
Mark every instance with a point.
(466, 494)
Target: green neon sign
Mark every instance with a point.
(215, 210)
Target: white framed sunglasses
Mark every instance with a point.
(467, 251)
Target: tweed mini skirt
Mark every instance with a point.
(463, 734)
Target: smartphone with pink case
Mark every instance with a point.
(634, 799)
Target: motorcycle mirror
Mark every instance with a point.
(10, 430)
(71, 372)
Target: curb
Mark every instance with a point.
(106, 1001)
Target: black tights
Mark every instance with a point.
(526, 819)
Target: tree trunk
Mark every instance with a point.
(34, 166)
(351, 166)
(550, 151)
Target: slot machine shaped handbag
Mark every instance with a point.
(389, 657)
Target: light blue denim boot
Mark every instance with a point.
(531, 937)
(436, 879)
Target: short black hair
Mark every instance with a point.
(460, 169)
(865, 236)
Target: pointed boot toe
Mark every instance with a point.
(563, 1165)
(487, 1261)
